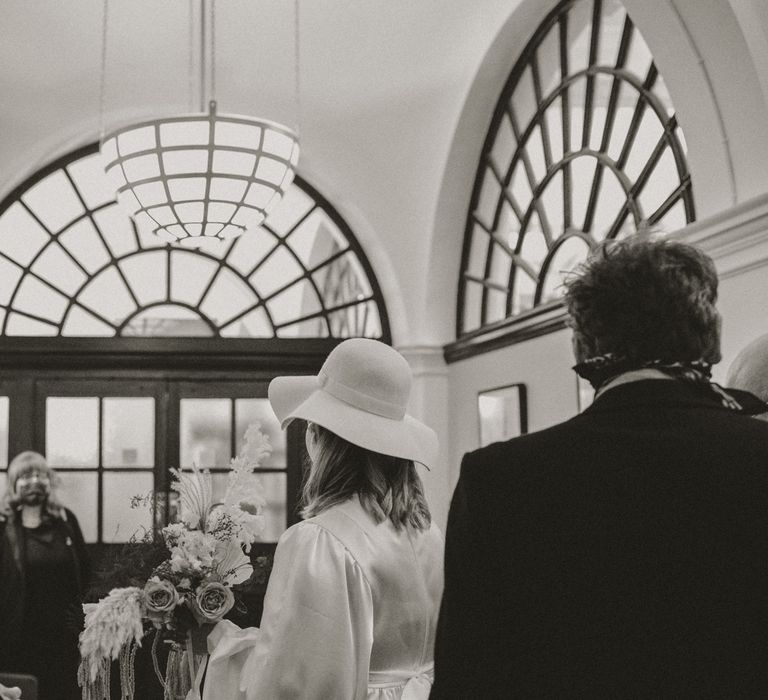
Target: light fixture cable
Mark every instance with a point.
(103, 80)
(202, 55)
(212, 97)
(297, 64)
(191, 56)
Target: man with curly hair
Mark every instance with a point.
(624, 552)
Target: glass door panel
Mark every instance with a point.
(101, 438)
(213, 419)
(128, 432)
(251, 411)
(111, 440)
(122, 521)
(205, 438)
(72, 431)
(79, 491)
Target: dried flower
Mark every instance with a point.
(110, 624)
(195, 496)
(172, 533)
(192, 587)
(194, 553)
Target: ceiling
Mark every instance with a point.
(382, 87)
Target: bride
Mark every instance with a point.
(352, 602)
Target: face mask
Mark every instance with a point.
(33, 488)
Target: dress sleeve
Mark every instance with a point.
(317, 628)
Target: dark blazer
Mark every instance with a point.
(623, 553)
(12, 572)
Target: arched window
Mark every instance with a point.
(583, 146)
(72, 263)
(123, 356)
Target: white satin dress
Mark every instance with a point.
(349, 614)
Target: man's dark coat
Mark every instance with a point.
(623, 553)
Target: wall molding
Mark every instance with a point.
(425, 360)
(736, 238)
(532, 324)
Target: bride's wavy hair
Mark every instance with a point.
(21, 464)
(389, 487)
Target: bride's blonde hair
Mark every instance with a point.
(389, 487)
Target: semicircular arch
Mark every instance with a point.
(73, 263)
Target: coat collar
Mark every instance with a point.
(666, 392)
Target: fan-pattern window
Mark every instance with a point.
(584, 146)
(72, 263)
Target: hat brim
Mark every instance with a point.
(303, 397)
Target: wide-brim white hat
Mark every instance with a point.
(361, 394)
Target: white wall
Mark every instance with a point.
(543, 364)
(713, 61)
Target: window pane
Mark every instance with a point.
(249, 411)
(107, 295)
(39, 299)
(4, 405)
(88, 174)
(117, 230)
(601, 106)
(205, 432)
(147, 274)
(279, 269)
(113, 270)
(275, 512)
(23, 325)
(228, 297)
(58, 268)
(128, 432)
(72, 431)
(80, 322)
(54, 201)
(570, 253)
(85, 244)
(316, 239)
(79, 493)
(255, 324)
(294, 205)
(169, 321)
(297, 301)
(21, 237)
(120, 521)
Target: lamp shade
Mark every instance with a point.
(193, 176)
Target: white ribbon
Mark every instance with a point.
(417, 686)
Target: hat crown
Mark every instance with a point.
(369, 375)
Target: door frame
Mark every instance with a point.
(26, 360)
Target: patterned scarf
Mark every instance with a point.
(601, 369)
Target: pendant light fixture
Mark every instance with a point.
(197, 177)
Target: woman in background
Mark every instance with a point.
(43, 573)
(352, 602)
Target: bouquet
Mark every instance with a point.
(188, 592)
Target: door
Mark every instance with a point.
(114, 441)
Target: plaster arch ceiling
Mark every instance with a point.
(396, 100)
(382, 85)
